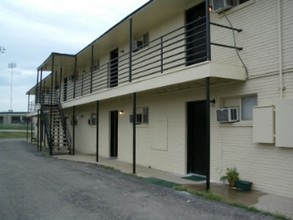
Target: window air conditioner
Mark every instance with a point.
(227, 115)
(222, 5)
(137, 44)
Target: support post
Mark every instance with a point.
(41, 116)
(92, 68)
(38, 129)
(134, 132)
(208, 30)
(97, 130)
(75, 73)
(60, 86)
(32, 121)
(37, 101)
(51, 108)
(37, 88)
(73, 131)
(28, 109)
(208, 142)
(130, 50)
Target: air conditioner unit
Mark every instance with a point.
(227, 115)
(73, 77)
(137, 44)
(222, 5)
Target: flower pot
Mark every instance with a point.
(244, 185)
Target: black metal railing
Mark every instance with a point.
(63, 122)
(45, 119)
(177, 49)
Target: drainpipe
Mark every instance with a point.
(280, 50)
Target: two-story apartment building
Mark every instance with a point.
(184, 86)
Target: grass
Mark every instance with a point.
(213, 197)
(4, 134)
(14, 127)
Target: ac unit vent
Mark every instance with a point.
(137, 44)
(228, 115)
(222, 5)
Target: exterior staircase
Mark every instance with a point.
(58, 136)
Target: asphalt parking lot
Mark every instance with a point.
(36, 186)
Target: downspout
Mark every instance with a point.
(280, 49)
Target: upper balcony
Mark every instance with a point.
(136, 56)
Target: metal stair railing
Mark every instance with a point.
(63, 122)
(47, 127)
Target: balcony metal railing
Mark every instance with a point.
(178, 48)
(181, 47)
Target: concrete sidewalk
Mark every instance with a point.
(261, 201)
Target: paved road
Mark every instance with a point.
(34, 186)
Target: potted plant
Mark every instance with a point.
(232, 176)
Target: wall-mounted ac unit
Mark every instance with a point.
(137, 44)
(227, 115)
(72, 77)
(222, 5)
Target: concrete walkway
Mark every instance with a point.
(262, 201)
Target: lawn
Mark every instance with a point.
(5, 134)
(13, 127)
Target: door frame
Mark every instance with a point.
(113, 133)
(189, 157)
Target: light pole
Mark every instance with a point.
(11, 66)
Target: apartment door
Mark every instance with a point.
(114, 133)
(196, 50)
(113, 81)
(196, 137)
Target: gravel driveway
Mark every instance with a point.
(34, 186)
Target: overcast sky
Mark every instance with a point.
(32, 29)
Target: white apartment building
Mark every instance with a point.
(184, 86)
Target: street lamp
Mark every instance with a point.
(11, 66)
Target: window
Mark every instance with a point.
(141, 42)
(247, 103)
(244, 103)
(142, 116)
(93, 119)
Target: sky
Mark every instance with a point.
(31, 29)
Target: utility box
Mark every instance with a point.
(263, 124)
(284, 123)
